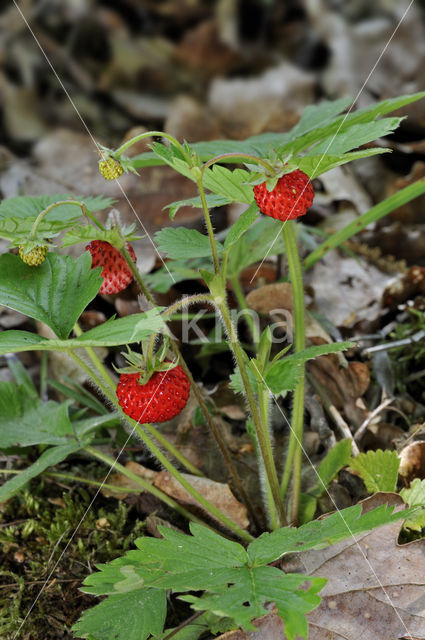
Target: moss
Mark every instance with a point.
(47, 526)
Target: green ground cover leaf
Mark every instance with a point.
(113, 332)
(47, 459)
(136, 615)
(56, 292)
(182, 243)
(414, 496)
(378, 469)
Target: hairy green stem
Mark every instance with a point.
(45, 211)
(261, 430)
(137, 275)
(150, 134)
(263, 399)
(206, 504)
(143, 484)
(237, 290)
(208, 224)
(294, 456)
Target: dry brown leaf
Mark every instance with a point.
(344, 385)
(412, 461)
(122, 482)
(217, 493)
(271, 297)
(354, 605)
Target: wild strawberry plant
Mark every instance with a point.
(46, 286)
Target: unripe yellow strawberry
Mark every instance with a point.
(35, 257)
(110, 169)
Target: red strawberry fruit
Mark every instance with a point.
(162, 397)
(116, 273)
(292, 196)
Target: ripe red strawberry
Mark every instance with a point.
(162, 397)
(116, 273)
(291, 197)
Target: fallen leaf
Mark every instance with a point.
(271, 297)
(412, 461)
(348, 290)
(217, 493)
(344, 382)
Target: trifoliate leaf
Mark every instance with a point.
(378, 469)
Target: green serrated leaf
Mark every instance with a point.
(213, 200)
(337, 458)
(114, 332)
(127, 616)
(320, 114)
(47, 459)
(321, 533)
(242, 224)
(26, 421)
(17, 230)
(88, 233)
(230, 184)
(283, 375)
(315, 165)
(378, 469)
(182, 243)
(56, 292)
(414, 496)
(356, 136)
(175, 271)
(261, 240)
